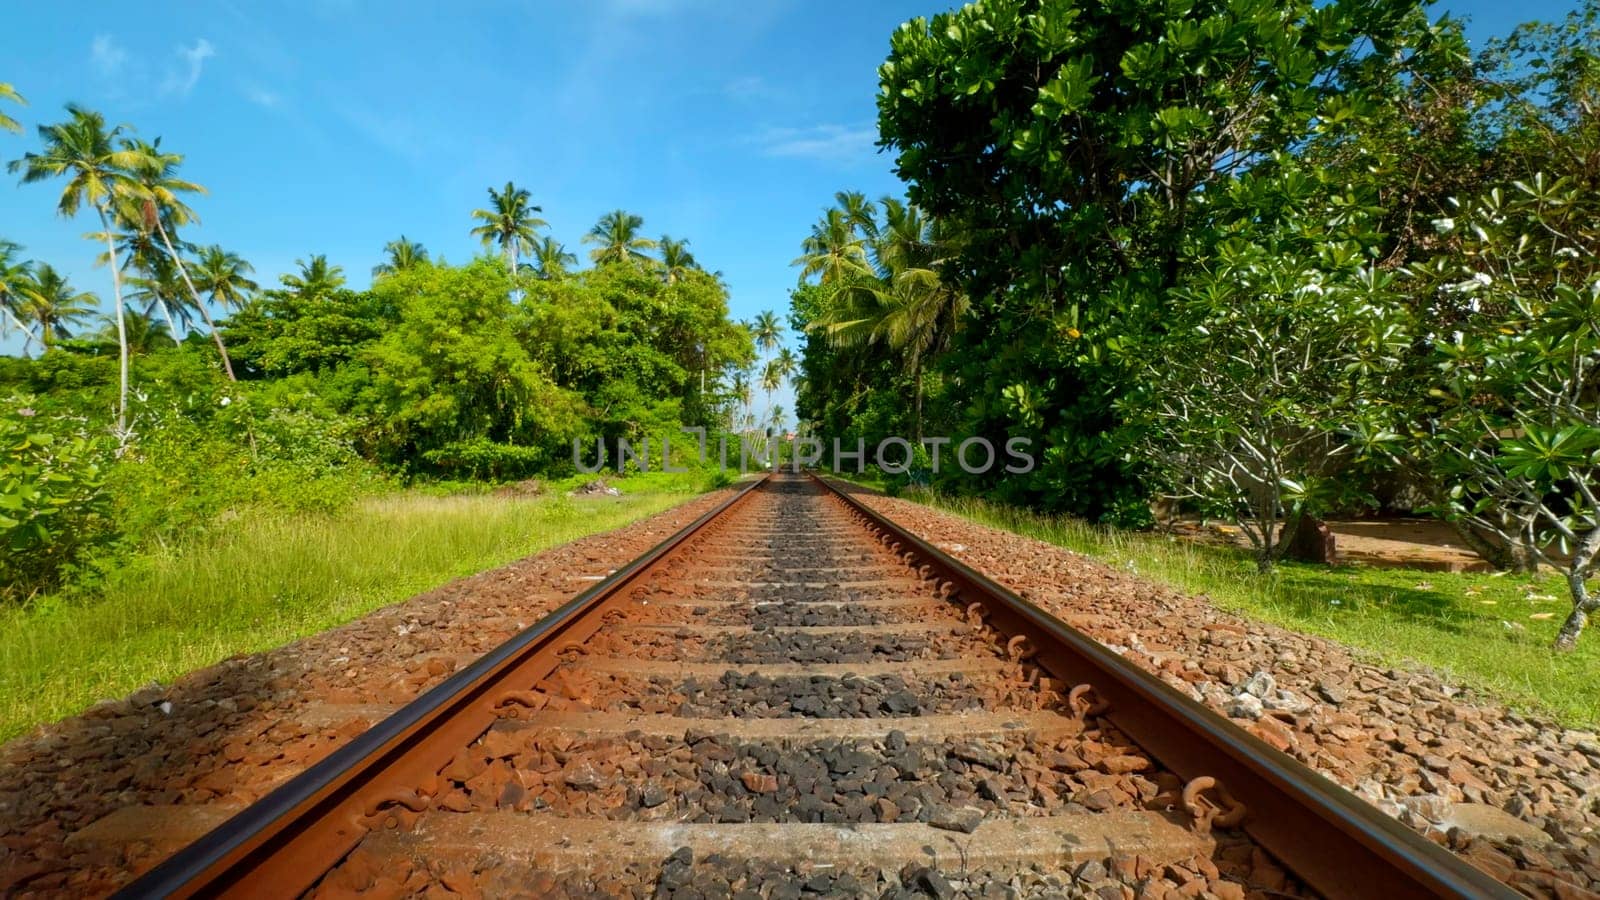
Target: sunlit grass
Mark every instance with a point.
(1490, 632)
(262, 579)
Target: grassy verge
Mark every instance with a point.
(1490, 632)
(263, 579)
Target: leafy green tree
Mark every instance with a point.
(617, 239)
(551, 259)
(509, 222)
(1073, 146)
(1510, 423)
(50, 302)
(53, 503)
(84, 152)
(1264, 381)
(7, 92)
(452, 370)
(401, 254)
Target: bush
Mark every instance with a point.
(483, 458)
(53, 501)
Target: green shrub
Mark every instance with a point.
(53, 499)
(483, 458)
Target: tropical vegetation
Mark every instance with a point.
(1265, 261)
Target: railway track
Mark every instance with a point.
(793, 697)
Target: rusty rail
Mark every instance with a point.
(1335, 842)
(280, 845)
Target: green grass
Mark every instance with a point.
(261, 580)
(1489, 632)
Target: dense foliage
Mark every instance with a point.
(1265, 258)
(308, 393)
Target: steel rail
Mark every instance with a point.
(1332, 840)
(280, 845)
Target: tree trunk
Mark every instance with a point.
(166, 313)
(27, 333)
(227, 364)
(916, 378)
(1577, 584)
(1513, 557)
(122, 330)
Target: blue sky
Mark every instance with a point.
(333, 126)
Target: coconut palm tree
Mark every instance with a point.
(52, 303)
(551, 259)
(158, 289)
(160, 210)
(7, 92)
(224, 276)
(510, 222)
(904, 304)
(316, 278)
(676, 260)
(786, 362)
(617, 239)
(767, 329)
(858, 212)
(145, 333)
(403, 254)
(14, 274)
(84, 152)
(833, 252)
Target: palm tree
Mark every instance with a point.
(766, 330)
(786, 362)
(316, 278)
(903, 303)
(403, 254)
(676, 260)
(7, 92)
(858, 212)
(83, 151)
(509, 222)
(223, 276)
(52, 303)
(741, 390)
(833, 251)
(14, 274)
(771, 380)
(161, 211)
(617, 238)
(551, 259)
(145, 333)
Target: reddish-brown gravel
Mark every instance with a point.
(227, 734)
(1424, 750)
(1440, 759)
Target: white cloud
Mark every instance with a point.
(183, 80)
(260, 96)
(106, 56)
(834, 143)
